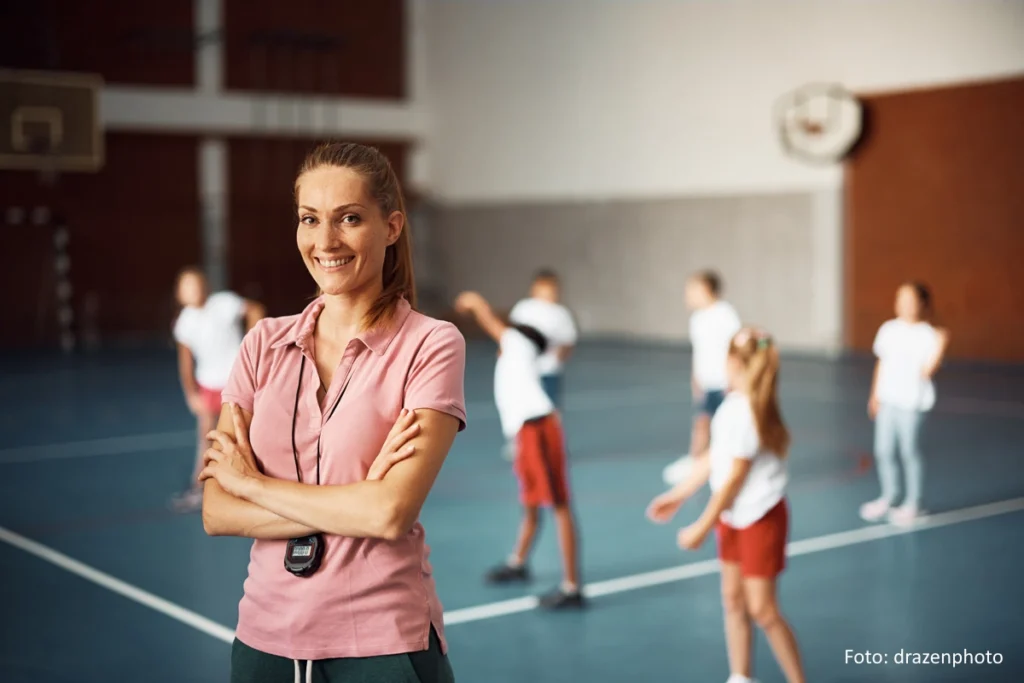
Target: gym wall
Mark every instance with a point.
(628, 143)
(935, 193)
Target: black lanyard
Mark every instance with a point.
(295, 413)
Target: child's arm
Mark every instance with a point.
(940, 353)
(873, 397)
(664, 507)
(474, 304)
(723, 498)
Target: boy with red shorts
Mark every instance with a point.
(528, 417)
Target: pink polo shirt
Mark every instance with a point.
(370, 597)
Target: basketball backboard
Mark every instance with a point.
(49, 121)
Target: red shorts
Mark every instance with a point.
(211, 400)
(540, 463)
(759, 549)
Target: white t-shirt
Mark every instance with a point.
(213, 333)
(552, 320)
(518, 391)
(734, 435)
(711, 331)
(904, 349)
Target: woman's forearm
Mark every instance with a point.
(366, 509)
(226, 515)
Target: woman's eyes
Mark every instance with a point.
(347, 219)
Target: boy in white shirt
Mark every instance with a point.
(208, 332)
(544, 311)
(529, 418)
(712, 326)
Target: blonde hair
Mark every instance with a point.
(756, 351)
(383, 186)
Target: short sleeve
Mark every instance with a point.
(183, 328)
(516, 314)
(231, 305)
(569, 333)
(881, 343)
(437, 377)
(241, 387)
(741, 439)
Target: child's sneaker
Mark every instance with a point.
(874, 511)
(905, 515)
(560, 598)
(507, 573)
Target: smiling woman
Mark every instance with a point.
(337, 422)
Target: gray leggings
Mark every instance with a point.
(899, 427)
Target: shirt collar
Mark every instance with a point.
(377, 339)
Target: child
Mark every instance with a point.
(528, 416)
(746, 468)
(909, 351)
(544, 312)
(209, 334)
(712, 326)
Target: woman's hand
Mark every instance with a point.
(693, 536)
(233, 465)
(664, 507)
(873, 406)
(396, 447)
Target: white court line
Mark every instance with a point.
(806, 546)
(497, 609)
(185, 616)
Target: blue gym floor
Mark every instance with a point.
(93, 447)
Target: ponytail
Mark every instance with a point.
(759, 355)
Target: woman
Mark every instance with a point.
(363, 396)
(208, 331)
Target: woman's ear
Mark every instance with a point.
(396, 224)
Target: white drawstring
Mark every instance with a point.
(298, 672)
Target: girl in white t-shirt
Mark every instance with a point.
(208, 332)
(745, 464)
(909, 351)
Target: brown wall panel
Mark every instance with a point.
(935, 193)
(137, 43)
(132, 226)
(263, 260)
(334, 47)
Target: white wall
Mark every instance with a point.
(575, 99)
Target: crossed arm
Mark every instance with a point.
(241, 501)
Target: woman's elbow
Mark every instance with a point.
(214, 518)
(397, 520)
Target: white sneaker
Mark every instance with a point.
(736, 678)
(678, 471)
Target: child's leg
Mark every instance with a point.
(527, 534)
(908, 429)
(700, 435)
(738, 632)
(567, 543)
(205, 423)
(764, 609)
(514, 568)
(885, 459)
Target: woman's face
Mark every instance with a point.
(342, 235)
(908, 306)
